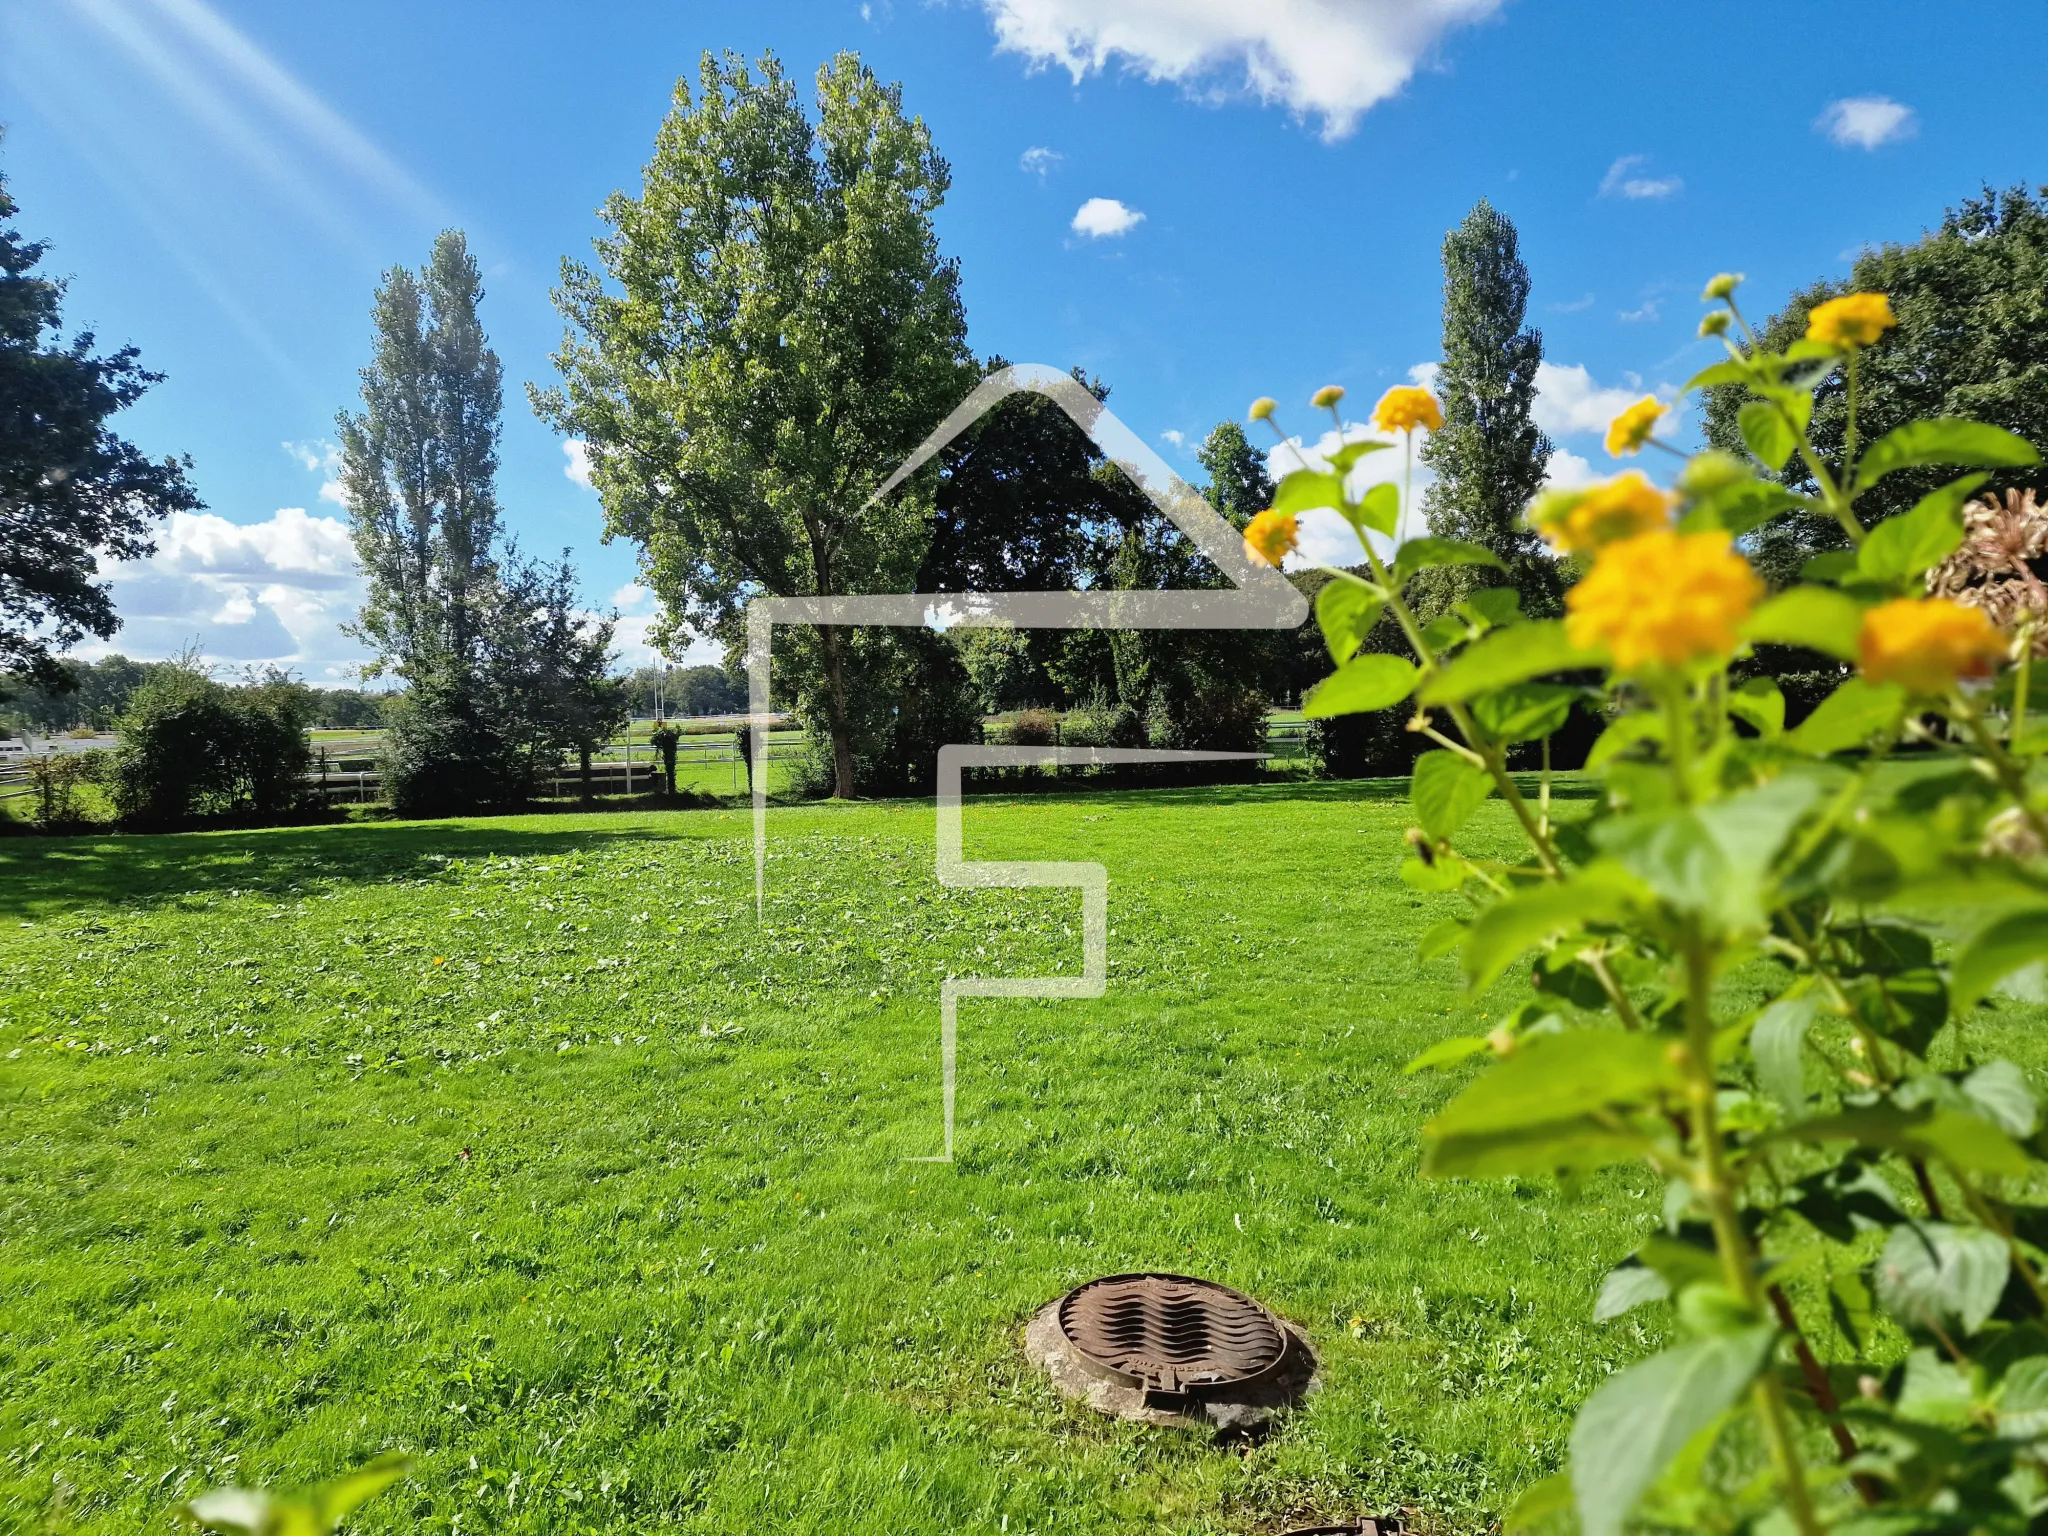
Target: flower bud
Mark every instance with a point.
(1715, 323)
(1327, 396)
(1711, 471)
(1263, 408)
(1723, 286)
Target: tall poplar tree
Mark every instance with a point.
(1490, 456)
(773, 331)
(419, 468)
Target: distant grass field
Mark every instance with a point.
(520, 1145)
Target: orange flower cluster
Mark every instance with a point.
(1581, 520)
(1663, 599)
(1272, 536)
(1927, 643)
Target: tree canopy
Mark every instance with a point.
(772, 331)
(71, 492)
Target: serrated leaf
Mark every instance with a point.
(1819, 618)
(1421, 554)
(1642, 1417)
(1524, 712)
(1943, 440)
(1346, 610)
(2010, 944)
(1627, 1288)
(1933, 1274)
(1350, 453)
(1759, 703)
(1378, 511)
(1849, 717)
(1551, 1106)
(1999, 1090)
(1309, 490)
(1363, 683)
(1777, 1044)
(1510, 656)
(1445, 790)
(1767, 433)
(1901, 547)
(1516, 923)
(1829, 565)
(1623, 734)
(1495, 606)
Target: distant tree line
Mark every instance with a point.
(94, 695)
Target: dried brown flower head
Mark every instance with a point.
(1992, 568)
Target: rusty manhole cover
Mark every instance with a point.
(1172, 1337)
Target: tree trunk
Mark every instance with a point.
(584, 753)
(835, 713)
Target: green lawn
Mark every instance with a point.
(519, 1144)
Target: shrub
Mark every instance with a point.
(194, 750)
(1735, 958)
(57, 780)
(1034, 728)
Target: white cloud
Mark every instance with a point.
(249, 593)
(1865, 122)
(1569, 402)
(1101, 216)
(577, 452)
(1175, 436)
(1330, 59)
(1037, 160)
(1621, 180)
(631, 597)
(1574, 307)
(1326, 539)
(318, 456)
(1567, 469)
(1648, 311)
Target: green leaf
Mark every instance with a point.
(1440, 939)
(1849, 717)
(1433, 879)
(1347, 609)
(1445, 631)
(1777, 1043)
(2010, 944)
(1420, 554)
(1363, 683)
(1549, 1106)
(1944, 440)
(1600, 894)
(1820, 618)
(1625, 733)
(1932, 1274)
(2023, 1400)
(1767, 433)
(1496, 607)
(1525, 712)
(1970, 1142)
(1379, 511)
(1712, 860)
(1714, 375)
(1348, 455)
(1445, 790)
(1830, 565)
(1999, 1090)
(340, 1498)
(1934, 1390)
(1901, 547)
(1759, 703)
(1539, 1507)
(1309, 490)
(1973, 1144)
(1739, 508)
(1627, 1288)
(1448, 1053)
(1510, 656)
(1641, 1418)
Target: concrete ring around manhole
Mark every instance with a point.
(1158, 1348)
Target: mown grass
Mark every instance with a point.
(521, 1145)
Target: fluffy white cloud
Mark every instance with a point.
(1567, 469)
(1037, 160)
(1865, 122)
(1101, 216)
(1330, 59)
(1568, 401)
(248, 593)
(322, 458)
(1622, 180)
(1175, 436)
(1326, 539)
(577, 452)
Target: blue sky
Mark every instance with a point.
(224, 181)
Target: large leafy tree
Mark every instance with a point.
(419, 467)
(772, 331)
(71, 492)
(771, 334)
(1490, 456)
(1971, 298)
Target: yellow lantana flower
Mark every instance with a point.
(1579, 521)
(1926, 643)
(1628, 432)
(1327, 396)
(1853, 320)
(1264, 407)
(1407, 406)
(1272, 536)
(1663, 599)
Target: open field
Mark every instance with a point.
(519, 1144)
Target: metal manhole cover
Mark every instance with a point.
(1171, 1336)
